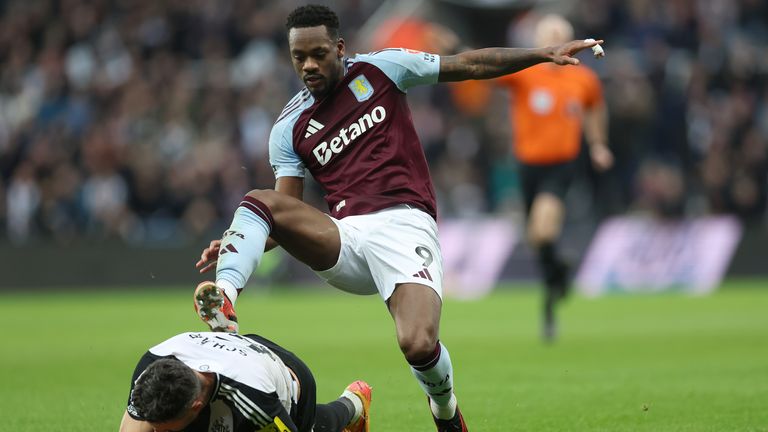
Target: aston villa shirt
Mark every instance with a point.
(359, 142)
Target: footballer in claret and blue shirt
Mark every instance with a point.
(351, 128)
(359, 142)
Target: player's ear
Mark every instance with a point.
(340, 47)
(198, 405)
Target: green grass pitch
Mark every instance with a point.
(667, 362)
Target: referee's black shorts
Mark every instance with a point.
(552, 178)
(304, 416)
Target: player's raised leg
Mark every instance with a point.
(303, 231)
(416, 310)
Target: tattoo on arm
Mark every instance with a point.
(490, 63)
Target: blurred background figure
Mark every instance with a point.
(119, 121)
(548, 108)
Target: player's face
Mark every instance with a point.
(316, 58)
(180, 423)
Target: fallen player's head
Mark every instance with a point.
(167, 394)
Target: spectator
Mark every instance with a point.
(172, 91)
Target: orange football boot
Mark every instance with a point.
(363, 391)
(214, 308)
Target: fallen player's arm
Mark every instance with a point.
(488, 63)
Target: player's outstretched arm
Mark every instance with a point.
(488, 63)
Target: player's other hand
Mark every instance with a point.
(564, 54)
(209, 257)
(602, 158)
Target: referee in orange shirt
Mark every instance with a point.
(549, 106)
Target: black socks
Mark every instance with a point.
(334, 416)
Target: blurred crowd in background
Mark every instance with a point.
(146, 121)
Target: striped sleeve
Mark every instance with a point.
(147, 359)
(263, 410)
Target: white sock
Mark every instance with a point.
(437, 383)
(355, 399)
(242, 246)
(445, 412)
(229, 289)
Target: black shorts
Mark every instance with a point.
(304, 417)
(552, 178)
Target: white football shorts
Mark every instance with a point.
(383, 249)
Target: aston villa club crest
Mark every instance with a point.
(361, 88)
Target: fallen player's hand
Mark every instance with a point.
(209, 257)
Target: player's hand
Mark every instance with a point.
(564, 54)
(209, 257)
(602, 158)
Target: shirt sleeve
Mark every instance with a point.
(147, 359)
(263, 410)
(281, 422)
(284, 160)
(406, 68)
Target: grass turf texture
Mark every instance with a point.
(623, 363)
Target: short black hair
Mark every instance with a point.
(164, 390)
(313, 16)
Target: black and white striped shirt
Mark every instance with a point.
(253, 386)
